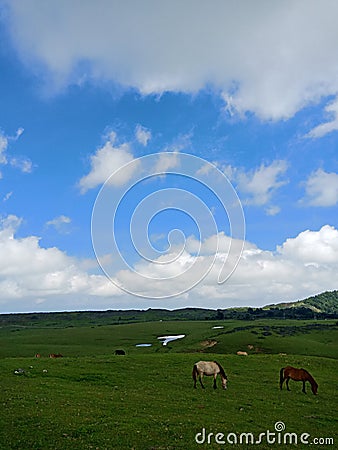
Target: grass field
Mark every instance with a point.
(92, 399)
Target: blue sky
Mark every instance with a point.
(86, 89)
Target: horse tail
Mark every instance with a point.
(194, 372)
(221, 370)
(281, 376)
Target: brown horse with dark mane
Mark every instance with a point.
(297, 375)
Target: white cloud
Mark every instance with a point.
(19, 132)
(21, 163)
(60, 223)
(37, 278)
(250, 51)
(272, 210)
(28, 270)
(313, 247)
(166, 162)
(7, 196)
(59, 220)
(301, 266)
(260, 184)
(321, 189)
(3, 148)
(142, 135)
(107, 160)
(329, 126)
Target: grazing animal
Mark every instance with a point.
(37, 355)
(209, 368)
(297, 375)
(120, 352)
(242, 353)
(56, 355)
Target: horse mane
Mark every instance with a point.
(311, 379)
(221, 370)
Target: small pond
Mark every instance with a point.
(167, 339)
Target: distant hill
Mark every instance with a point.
(322, 306)
(324, 303)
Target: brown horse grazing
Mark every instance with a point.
(297, 375)
(209, 368)
(56, 355)
(37, 355)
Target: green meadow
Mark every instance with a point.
(93, 399)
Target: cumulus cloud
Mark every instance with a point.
(142, 135)
(249, 51)
(167, 161)
(272, 210)
(301, 266)
(313, 247)
(107, 160)
(3, 148)
(31, 276)
(262, 182)
(21, 163)
(321, 189)
(29, 271)
(60, 223)
(329, 126)
(258, 186)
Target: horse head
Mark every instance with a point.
(314, 387)
(224, 382)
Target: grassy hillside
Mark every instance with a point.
(93, 399)
(324, 303)
(318, 338)
(148, 402)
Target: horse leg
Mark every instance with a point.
(215, 385)
(195, 375)
(194, 378)
(304, 387)
(287, 383)
(200, 378)
(281, 378)
(281, 383)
